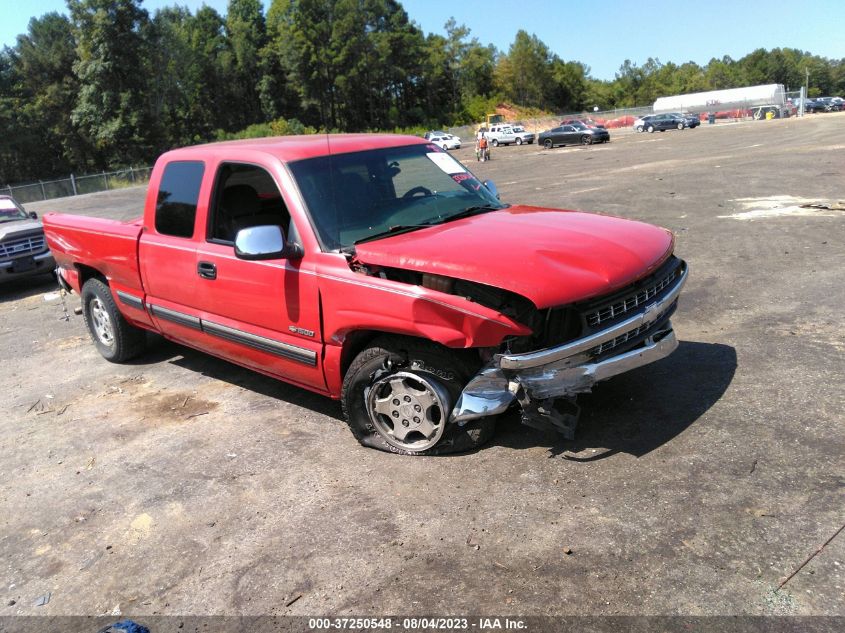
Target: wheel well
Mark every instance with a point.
(353, 344)
(87, 272)
(358, 340)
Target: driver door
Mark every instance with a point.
(262, 314)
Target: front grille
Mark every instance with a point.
(22, 246)
(643, 331)
(622, 338)
(638, 296)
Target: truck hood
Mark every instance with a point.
(550, 256)
(18, 226)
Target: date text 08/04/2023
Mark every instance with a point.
(416, 624)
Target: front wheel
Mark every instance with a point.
(651, 129)
(519, 141)
(398, 394)
(548, 143)
(639, 128)
(495, 143)
(115, 338)
(680, 126)
(586, 140)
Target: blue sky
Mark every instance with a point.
(601, 35)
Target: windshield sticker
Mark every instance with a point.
(446, 163)
(7, 205)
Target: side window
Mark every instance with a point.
(178, 193)
(245, 196)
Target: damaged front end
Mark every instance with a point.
(617, 333)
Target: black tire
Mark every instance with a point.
(114, 337)
(680, 126)
(519, 141)
(638, 128)
(650, 128)
(586, 140)
(548, 143)
(393, 356)
(494, 143)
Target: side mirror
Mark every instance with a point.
(263, 242)
(33, 215)
(491, 187)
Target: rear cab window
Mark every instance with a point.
(178, 195)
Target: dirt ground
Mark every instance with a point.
(181, 484)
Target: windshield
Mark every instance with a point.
(10, 211)
(351, 197)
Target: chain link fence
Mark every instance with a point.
(77, 185)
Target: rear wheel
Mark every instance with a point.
(586, 139)
(495, 143)
(115, 338)
(398, 394)
(548, 143)
(651, 129)
(519, 141)
(680, 126)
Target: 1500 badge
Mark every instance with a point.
(300, 330)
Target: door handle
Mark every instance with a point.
(207, 270)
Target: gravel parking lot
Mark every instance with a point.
(181, 484)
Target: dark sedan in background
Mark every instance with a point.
(590, 123)
(827, 104)
(663, 122)
(692, 120)
(573, 134)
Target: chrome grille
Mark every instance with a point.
(598, 350)
(632, 301)
(22, 246)
(622, 338)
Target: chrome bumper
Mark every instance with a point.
(649, 314)
(566, 370)
(491, 392)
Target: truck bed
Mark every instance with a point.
(110, 246)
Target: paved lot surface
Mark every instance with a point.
(181, 484)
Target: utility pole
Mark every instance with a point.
(806, 90)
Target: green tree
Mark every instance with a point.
(720, 74)
(44, 58)
(357, 62)
(111, 107)
(525, 73)
(466, 66)
(14, 140)
(246, 33)
(569, 91)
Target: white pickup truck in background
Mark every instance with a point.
(507, 134)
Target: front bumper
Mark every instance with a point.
(567, 370)
(40, 263)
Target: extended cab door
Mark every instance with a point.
(167, 250)
(262, 314)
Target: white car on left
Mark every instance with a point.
(446, 141)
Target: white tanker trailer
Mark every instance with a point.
(758, 99)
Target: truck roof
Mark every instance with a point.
(293, 148)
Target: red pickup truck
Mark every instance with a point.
(376, 269)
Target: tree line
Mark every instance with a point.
(110, 85)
